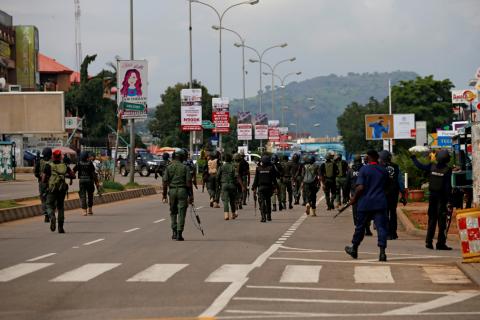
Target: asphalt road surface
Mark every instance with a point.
(120, 263)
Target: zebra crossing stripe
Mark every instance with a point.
(86, 272)
(445, 275)
(373, 274)
(230, 273)
(301, 274)
(157, 273)
(20, 270)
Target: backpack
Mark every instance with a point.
(309, 175)
(330, 170)
(57, 178)
(212, 166)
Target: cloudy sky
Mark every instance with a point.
(439, 37)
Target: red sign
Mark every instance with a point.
(413, 133)
(222, 121)
(274, 134)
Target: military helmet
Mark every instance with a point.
(275, 158)
(357, 159)
(385, 156)
(47, 153)
(237, 157)
(295, 157)
(179, 154)
(443, 157)
(265, 160)
(330, 155)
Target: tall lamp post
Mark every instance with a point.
(242, 41)
(220, 19)
(282, 86)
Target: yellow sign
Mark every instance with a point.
(5, 49)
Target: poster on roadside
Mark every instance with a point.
(387, 126)
(273, 134)
(261, 126)
(244, 126)
(132, 80)
(464, 97)
(191, 109)
(221, 115)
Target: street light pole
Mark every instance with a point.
(282, 86)
(132, 128)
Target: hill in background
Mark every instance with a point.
(331, 94)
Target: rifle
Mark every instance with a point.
(196, 222)
(341, 210)
(255, 202)
(449, 219)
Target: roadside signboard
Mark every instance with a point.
(221, 115)
(207, 124)
(387, 126)
(261, 126)
(463, 96)
(273, 134)
(132, 80)
(244, 126)
(403, 124)
(191, 109)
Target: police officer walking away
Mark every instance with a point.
(87, 181)
(244, 171)
(54, 175)
(311, 183)
(394, 186)
(287, 182)
(352, 182)
(177, 182)
(329, 172)
(42, 186)
(266, 182)
(341, 181)
(440, 199)
(372, 203)
(228, 179)
(278, 174)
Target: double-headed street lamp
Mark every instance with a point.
(282, 85)
(242, 41)
(220, 19)
(260, 59)
(272, 69)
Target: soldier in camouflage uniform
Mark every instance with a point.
(228, 180)
(296, 172)
(286, 181)
(43, 187)
(177, 182)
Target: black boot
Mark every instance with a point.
(382, 256)
(269, 217)
(47, 218)
(53, 223)
(174, 234)
(179, 236)
(290, 205)
(240, 206)
(264, 219)
(274, 207)
(60, 227)
(429, 245)
(280, 206)
(442, 247)
(352, 251)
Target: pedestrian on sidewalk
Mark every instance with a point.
(311, 184)
(266, 183)
(440, 198)
(54, 175)
(372, 204)
(88, 179)
(42, 186)
(352, 182)
(177, 183)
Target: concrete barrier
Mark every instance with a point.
(17, 213)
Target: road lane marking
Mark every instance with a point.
(322, 301)
(41, 257)
(446, 275)
(230, 273)
(354, 262)
(373, 274)
(352, 290)
(226, 296)
(157, 273)
(131, 230)
(86, 272)
(92, 242)
(158, 221)
(441, 302)
(301, 274)
(20, 270)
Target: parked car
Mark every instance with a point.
(145, 164)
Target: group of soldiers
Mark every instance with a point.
(52, 170)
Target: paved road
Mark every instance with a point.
(26, 185)
(121, 264)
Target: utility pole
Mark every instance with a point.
(190, 84)
(131, 121)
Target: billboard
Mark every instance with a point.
(244, 126)
(132, 82)
(261, 126)
(221, 115)
(273, 134)
(387, 126)
(191, 109)
(463, 96)
(26, 48)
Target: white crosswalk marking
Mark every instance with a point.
(86, 272)
(445, 275)
(301, 274)
(157, 273)
(229, 273)
(373, 274)
(21, 269)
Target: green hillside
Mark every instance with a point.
(331, 95)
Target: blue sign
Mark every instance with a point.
(444, 141)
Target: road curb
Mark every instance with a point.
(409, 226)
(472, 270)
(11, 214)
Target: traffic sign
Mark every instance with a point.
(207, 124)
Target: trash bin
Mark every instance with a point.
(468, 223)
